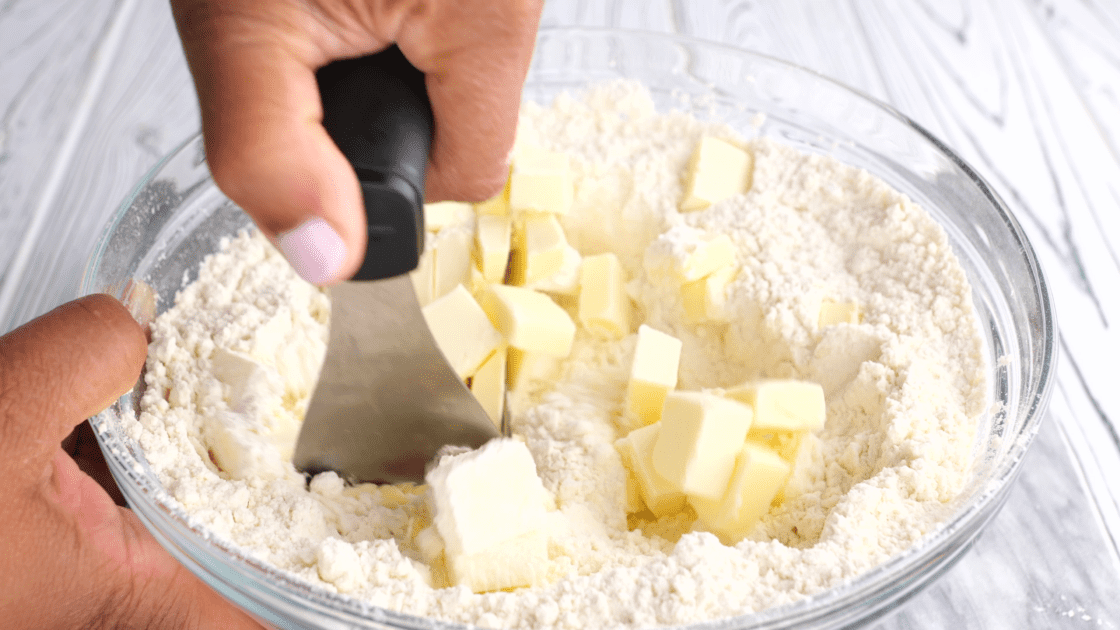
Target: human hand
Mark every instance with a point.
(69, 557)
(254, 66)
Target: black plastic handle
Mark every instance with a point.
(376, 110)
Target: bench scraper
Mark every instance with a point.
(386, 399)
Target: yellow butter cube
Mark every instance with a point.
(758, 477)
(524, 368)
(441, 214)
(566, 280)
(785, 443)
(529, 320)
(783, 404)
(604, 306)
(706, 299)
(706, 258)
(462, 330)
(451, 260)
(498, 204)
(716, 171)
(492, 246)
(540, 181)
(538, 248)
(833, 313)
(489, 386)
(701, 435)
(636, 450)
(653, 374)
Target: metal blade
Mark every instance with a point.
(386, 399)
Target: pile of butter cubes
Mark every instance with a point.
(727, 453)
(498, 299)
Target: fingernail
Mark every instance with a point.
(314, 249)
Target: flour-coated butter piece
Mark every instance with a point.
(488, 384)
(783, 404)
(705, 300)
(530, 320)
(440, 214)
(833, 313)
(462, 330)
(540, 181)
(604, 306)
(705, 258)
(517, 562)
(451, 260)
(489, 507)
(717, 170)
(653, 373)
(492, 237)
(701, 435)
(538, 248)
(758, 478)
(636, 450)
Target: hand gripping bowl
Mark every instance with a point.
(176, 216)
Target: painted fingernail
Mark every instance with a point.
(314, 249)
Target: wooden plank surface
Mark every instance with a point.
(92, 92)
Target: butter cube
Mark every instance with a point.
(489, 386)
(462, 330)
(716, 171)
(492, 245)
(524, 368)
(604, 306)
(497, 205)
(705, 299)
(441, 214)
(706, 258)
(565, 281)
(529, 320)
(519, 561)
(489, 509)
(540, 181)
(701, 435)
(787, 444)
(833, 313)
(636, 450)
(653, 373)
(783, 404)
(451, 260)
(758, 477)
(538, 248)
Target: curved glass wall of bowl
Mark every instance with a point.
(176, 216)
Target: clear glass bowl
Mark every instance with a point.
(176, 216)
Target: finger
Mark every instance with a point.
(265, 145)
(475, 57)
(61, 368)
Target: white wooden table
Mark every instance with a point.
(93, 92)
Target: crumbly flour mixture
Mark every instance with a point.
(232, 365)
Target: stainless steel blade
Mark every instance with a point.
(386, 399)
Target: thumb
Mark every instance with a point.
(265, 144)
(61, 368)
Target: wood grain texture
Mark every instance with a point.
(1027, 91)
(47, 52)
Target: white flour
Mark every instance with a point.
(231, 366)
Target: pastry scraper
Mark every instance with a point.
(386, 399)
